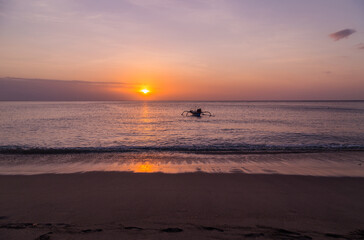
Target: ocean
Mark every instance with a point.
(324, 138)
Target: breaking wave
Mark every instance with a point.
(211, 149)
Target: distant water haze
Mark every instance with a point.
(22, 89)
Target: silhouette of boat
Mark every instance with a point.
(196, 113)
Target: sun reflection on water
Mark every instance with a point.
(144, 167)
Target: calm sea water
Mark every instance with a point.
(135, 131)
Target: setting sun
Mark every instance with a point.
(145, 91)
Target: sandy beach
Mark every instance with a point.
(112, 205)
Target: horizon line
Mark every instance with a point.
(267, 100)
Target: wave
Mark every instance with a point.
(211, 149)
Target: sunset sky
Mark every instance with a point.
(182, 50)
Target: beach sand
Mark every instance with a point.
(120, 205)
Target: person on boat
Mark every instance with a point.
(197, 113)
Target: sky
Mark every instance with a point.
(182, 50)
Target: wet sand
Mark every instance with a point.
(114, 205)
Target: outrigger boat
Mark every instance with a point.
(196, 113)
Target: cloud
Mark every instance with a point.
(342, 34)
(23, 89)
(361, 46)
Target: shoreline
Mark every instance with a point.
(305, 164)
(108, 205)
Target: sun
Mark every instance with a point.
(145, 91)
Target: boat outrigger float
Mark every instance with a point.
(196, 113)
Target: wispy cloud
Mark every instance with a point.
(15, 89)
(342, 34)
(361, 46)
